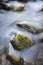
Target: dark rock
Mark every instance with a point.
(23, 0)
(13, 8)
(41, 10)
(17, 0)
(5, 6)
(30, 28)
(15, 60)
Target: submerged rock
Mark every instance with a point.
(32, 27)
(15, 60)
(20, 42)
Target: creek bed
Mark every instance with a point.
(8, 19)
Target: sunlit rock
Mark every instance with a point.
(18, 7)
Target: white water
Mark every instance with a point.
(8, 20)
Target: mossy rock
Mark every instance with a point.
(21, 42)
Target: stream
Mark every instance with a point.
(8, 19)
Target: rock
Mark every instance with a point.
(18, 7)
(20, 42)
(15, 60)
(5, 6)
(4, 50)
(0, 7)
(40, 9)
(13, 8)
(32, 27)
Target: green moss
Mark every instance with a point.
(22, 41)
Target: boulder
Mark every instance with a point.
(20, 42)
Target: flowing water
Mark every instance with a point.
(8, 19)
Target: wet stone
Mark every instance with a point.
(21, 42)
(10, 7)
(41, 10)
(15, 60)
(18, 8)
(30, 28)
(5, 6)
(3, 54)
